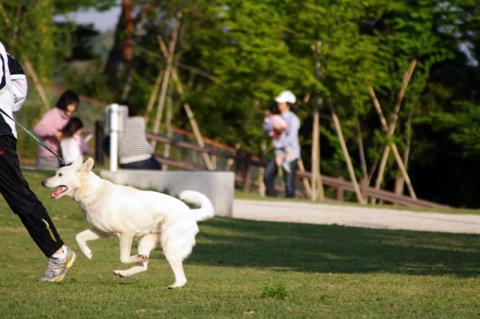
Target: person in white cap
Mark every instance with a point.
(285, 103)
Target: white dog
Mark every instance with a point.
(155, 218)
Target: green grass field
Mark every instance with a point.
(244, 269)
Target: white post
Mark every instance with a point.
(113, 114)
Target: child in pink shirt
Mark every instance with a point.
(49, 129)
(277, 131)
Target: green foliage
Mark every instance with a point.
(462, 127)
(233, 57)
(29, 32)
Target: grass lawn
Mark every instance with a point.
(246, 269)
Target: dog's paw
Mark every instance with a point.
(87, 253)
(177, 284)
(143, 258)
(119, 273)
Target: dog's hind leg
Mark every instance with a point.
(176, 263)
(145, 245)
(177, 243)
(125, 249)
(87, 235)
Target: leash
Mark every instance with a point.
(35, 138)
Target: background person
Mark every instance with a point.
(283, 152)
(134, 151)
(72, 143)
(50, 126)
(285, 103)
(14, 188)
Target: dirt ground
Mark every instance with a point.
(356, 216)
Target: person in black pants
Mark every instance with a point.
(13, 187)
(285, 103)
(271, 171)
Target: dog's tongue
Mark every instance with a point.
(59, 191)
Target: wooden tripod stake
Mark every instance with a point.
(188, 110)
(346, 155)
(394, 148)
(390, 131)
(165, 82)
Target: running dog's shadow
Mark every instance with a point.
(334, 249)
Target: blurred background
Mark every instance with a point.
(228, 59)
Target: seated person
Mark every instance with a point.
(134, 151)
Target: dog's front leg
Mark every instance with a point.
(85, 236)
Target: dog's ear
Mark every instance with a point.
(87, 166)
(77, 163)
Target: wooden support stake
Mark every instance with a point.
(191, 118)
(165, 82)
(168, 124)
(361, 150)
(198, 135)
(391, 128)
(391, 145)
(346, 155)
(153, 96)
(306, 184)
(33, 75)
(193, 122)
(400, 181)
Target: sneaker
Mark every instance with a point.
(57, 266)
(286, 166)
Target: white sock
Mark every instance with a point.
(61, 253)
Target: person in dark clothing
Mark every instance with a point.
(13, 186)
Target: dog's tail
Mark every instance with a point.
(206, 208)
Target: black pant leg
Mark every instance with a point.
(269, 177)
(23, 201)
(290, 178)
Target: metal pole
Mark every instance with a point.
(113, 137)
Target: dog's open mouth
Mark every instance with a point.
(59, 192)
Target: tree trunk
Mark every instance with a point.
(116, 53)
(127, 48)
(317, 185)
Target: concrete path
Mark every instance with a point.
(355, 216)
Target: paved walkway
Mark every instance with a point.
(355, 216)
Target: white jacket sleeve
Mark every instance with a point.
(4, 73)
(18, 83)
(19, 87)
